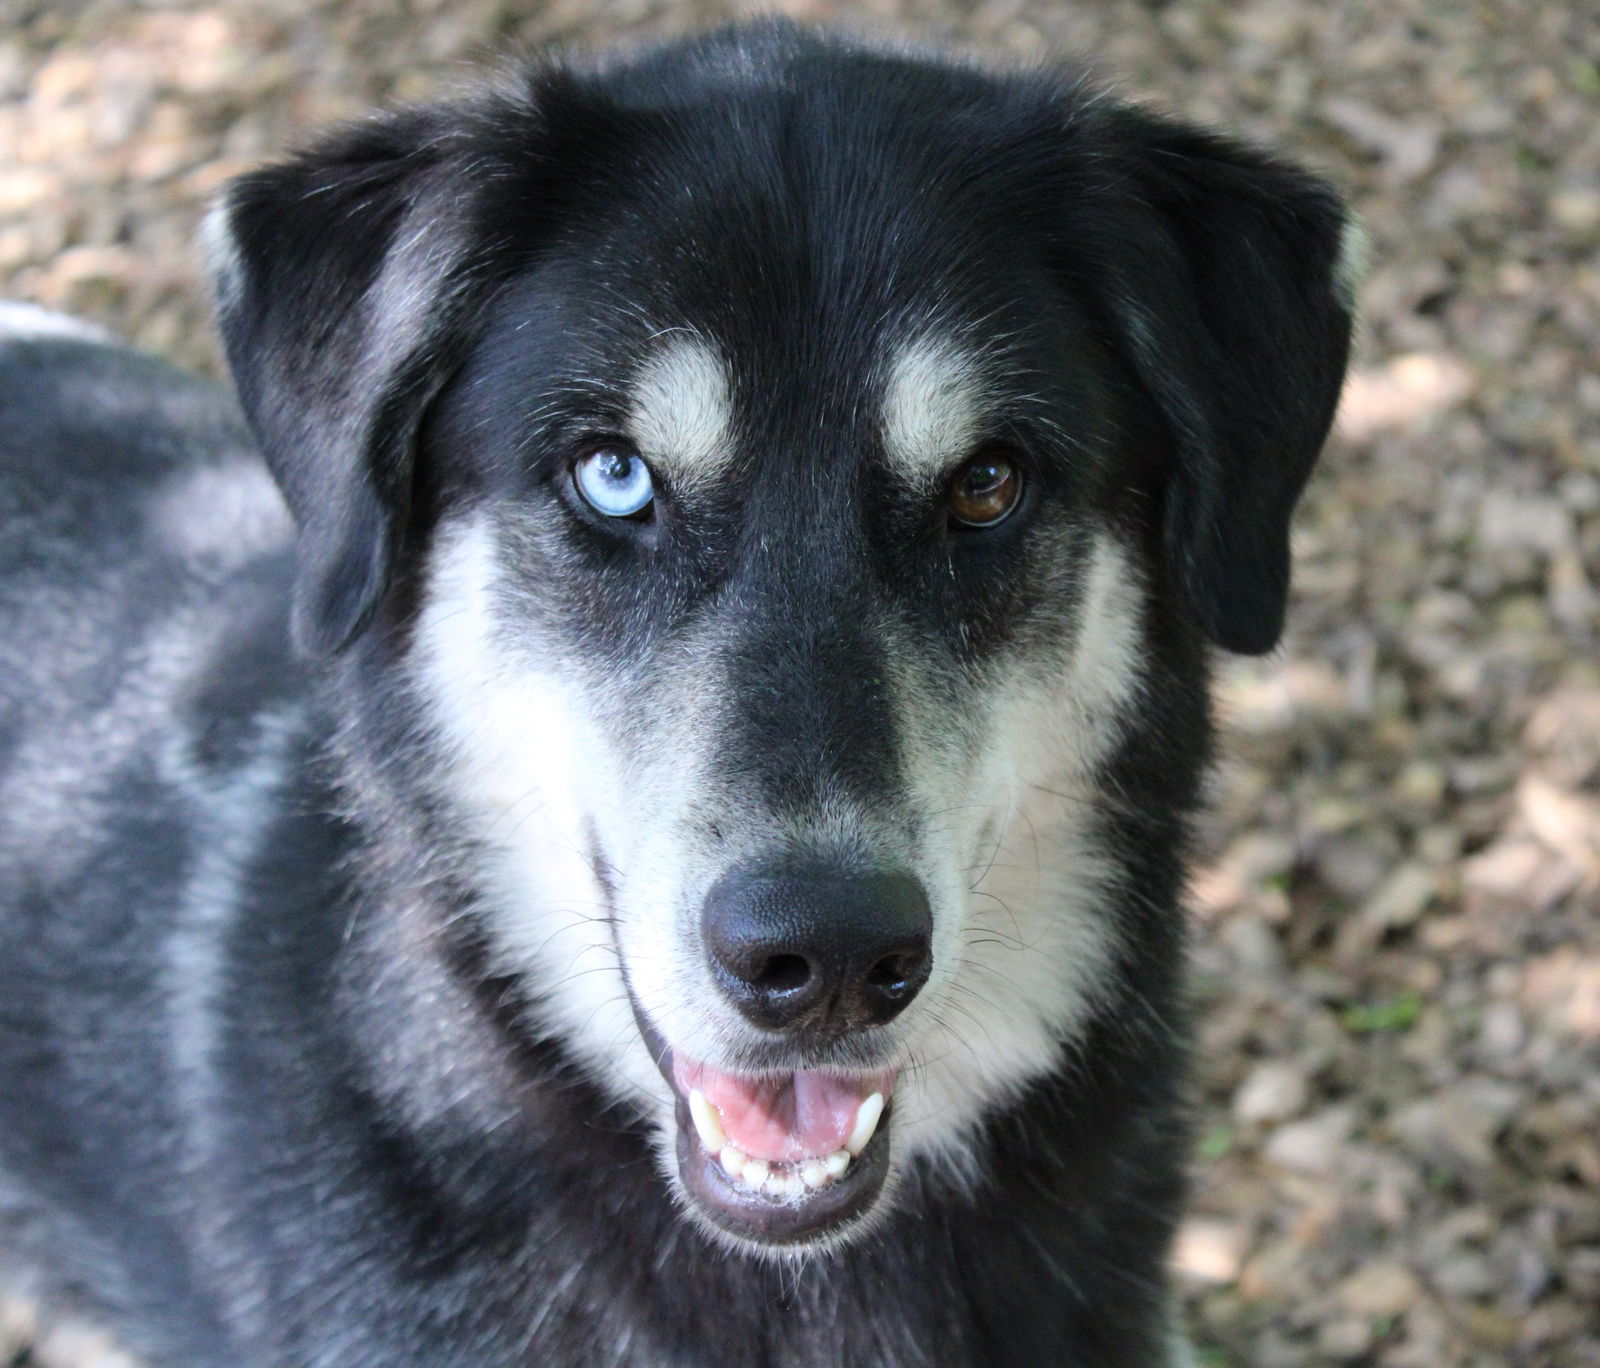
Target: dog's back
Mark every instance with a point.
(142, 559)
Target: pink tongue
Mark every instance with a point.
(806, 1115)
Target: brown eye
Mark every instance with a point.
(984, 490)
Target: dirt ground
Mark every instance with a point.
(1398, 912)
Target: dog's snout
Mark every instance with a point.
(817, 949)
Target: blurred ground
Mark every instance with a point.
(1398, 918)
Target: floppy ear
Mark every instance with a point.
(1231, 282)
(346, 282)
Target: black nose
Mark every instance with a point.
(817, 949)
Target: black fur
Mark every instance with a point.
(372, 1160)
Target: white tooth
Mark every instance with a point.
(866, 1123)
(836, 1163)
(733, 1159)
(777, 1185)
(814, 1173)
(754, 1173)
(707, 1124)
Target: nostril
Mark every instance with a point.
(895, 974)
(782, 974)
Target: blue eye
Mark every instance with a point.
(615, 482)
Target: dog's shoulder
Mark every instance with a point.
(80, 408)
(144, 555)
(130, 494)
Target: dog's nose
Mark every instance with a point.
(816, 949)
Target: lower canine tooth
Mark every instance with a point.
(707, 1124)
(836, 1163)
(733, 1159)
(866, 1123)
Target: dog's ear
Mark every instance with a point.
(1230, 289)
(346, 285)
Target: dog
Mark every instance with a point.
(650, 830)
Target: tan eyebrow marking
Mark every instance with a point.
(682, 413)
(932, 408)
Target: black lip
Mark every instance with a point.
(754, 1216)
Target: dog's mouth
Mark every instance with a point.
(778, 1158)
(781, 1159)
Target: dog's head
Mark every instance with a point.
(773, 469)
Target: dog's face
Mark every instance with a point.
(788, 449)
(777, 649)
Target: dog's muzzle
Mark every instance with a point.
(816, 959)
